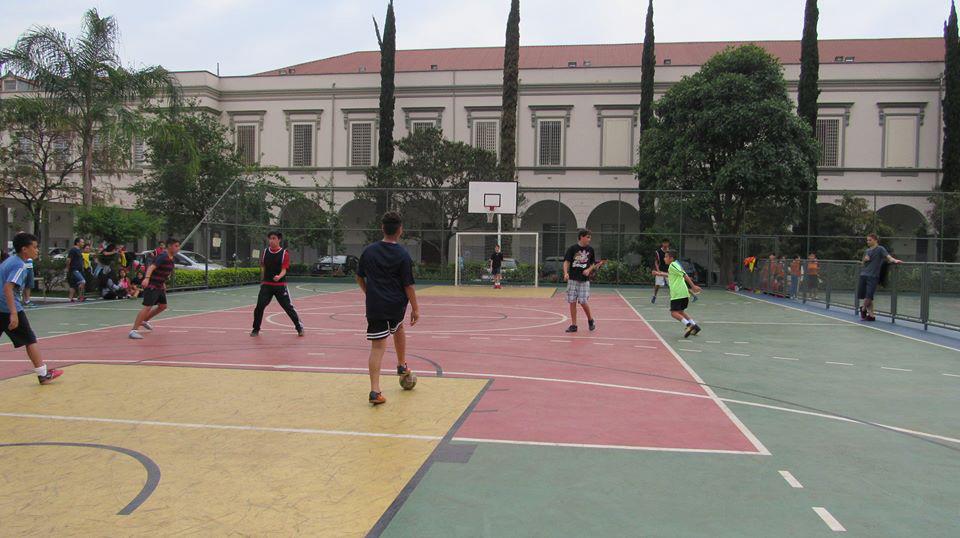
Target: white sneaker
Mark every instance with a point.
(134, 335)
(146, 325)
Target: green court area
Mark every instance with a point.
(861, 425)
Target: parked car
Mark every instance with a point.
(552, 265)
(57, 253)
(185, 259)
(346, 265)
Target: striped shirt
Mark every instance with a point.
(163, 268)
(13, 271)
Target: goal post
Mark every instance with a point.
(521, 258)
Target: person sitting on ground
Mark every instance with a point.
(109, 289)
(131, 290)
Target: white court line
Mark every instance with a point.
(717, 322)
(895, 369)
(712, 395)
(316, 354)
(828, 518)
(479, 337)
(690, 350)
(854, 323)
(614, 447)
(223, 426)
(785, 358)
(839, 363)
(794, 483)
(519, 339)
(951, 375)
(741, 342)
(736, 354)
(217, 332)
(440, 337)
(560, 341)
(713, 342)
(601, 344)
(647, 347)
(58, 332)
(487, 375)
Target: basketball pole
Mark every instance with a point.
(499, 227)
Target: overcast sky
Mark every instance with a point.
(249, 36)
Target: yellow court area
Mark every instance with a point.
(236, 451)
(507, 292)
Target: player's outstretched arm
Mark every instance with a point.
(692, 285)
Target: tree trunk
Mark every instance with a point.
(88, 178)
(646, 215)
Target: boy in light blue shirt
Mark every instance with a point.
(13, 321)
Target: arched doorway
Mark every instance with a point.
(555, 222)
(358, 218)
(910, 230)
(609, 223)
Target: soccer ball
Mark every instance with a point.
(407, 382)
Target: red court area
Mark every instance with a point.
(618, 387)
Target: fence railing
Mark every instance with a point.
(925, 293)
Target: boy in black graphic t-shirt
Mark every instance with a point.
(579, 262)
(496, 262)
(385, 275)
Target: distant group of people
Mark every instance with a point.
(113, 272)
(780, 276)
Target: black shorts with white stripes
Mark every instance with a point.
(378, 329)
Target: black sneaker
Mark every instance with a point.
(300, 331)
(571, 329)
(695, 298)
(696, 330)
(653, 300)
(403, 369)
(863, 313)
(255, 332)
(592, 324)
(689, 331)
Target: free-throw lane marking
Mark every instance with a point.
(794, 483)
(785, 358)
(895, 369)
(828, 518)
(689, 350)
(951, 375)
(840, 363)
(737, 354)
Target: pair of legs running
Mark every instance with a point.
(377, 349)
(143, 319)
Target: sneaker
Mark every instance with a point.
(134, 335)
(689, 331)
(73, 300)
(592, 324)
(571, 329)
(870, 318)
(696, 330)
(403, 369)
(653, 300)
(376, 398)
(863, 313)
(29, 304)
(695, 298)
(255, 332)
(300, 331)
(147, 326)
(51, 375)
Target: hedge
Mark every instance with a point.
(217, 277)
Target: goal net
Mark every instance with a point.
(521, 258)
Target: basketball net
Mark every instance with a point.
(490, 214)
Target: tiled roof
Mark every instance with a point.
(924, 49)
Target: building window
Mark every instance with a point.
(61, 150)
(617, 142)
(247, 143)
(900, 138)
(486, 135)
(421, 125)
(828, 135)
(25, 153)
(10, 85)
(139, 152)
(361, 143)
(550, 143)
(302, 154)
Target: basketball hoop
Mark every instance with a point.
(490, 213)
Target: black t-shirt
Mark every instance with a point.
(580, 258)
(662, 260)
(76, 259)
(497, 259)
(388, 270)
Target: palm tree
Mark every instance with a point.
(103, 97)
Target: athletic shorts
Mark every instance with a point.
(679, 305)
(23, 334)
(867, 286)
(378, 329)
(495, 271)
(812, 281)
(154, 296)
(75, 279)
(578, 292)
(660, 281)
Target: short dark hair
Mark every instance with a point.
(276, 234)
(583, 233)
(391, 222)
(77, 241)
(665, 240)
(23, 239)
(171, 240)
(874, 236)
(670, 252)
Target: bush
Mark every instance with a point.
(53, 273)
(217, 278)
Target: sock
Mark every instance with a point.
(693, 322)
(686, 321)
(42, 370)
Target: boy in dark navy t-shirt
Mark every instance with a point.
(385, 275)
(155, 288)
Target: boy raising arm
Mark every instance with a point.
(679, 293)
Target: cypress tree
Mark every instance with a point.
(950, 182)
(511, 88)
(807, 96)
(647, 214)
(388, 53)
(648, 66)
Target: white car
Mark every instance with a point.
(185, 259)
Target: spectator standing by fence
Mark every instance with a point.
(75, 278)
(812, 277)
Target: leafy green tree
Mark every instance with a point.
(39, 157)
(115, 224)
(105, 100)
(845, 224)
(648, 68)
(729, 135)
(511, 89)
(946, 207)
(310, 220)
(388, 54)
(809, 93)
(432, 182)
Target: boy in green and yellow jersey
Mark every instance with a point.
(679, 293)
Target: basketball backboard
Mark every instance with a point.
(497, 197)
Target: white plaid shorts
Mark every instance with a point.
(578, 292)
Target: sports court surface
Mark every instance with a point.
(773, 421)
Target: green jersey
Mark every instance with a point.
(678, 286)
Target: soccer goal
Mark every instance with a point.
(521, 258)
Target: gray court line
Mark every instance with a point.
(153, 470)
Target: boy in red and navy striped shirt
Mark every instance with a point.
(274, 264)
(155, 290)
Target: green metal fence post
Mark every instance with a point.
(925, 295)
